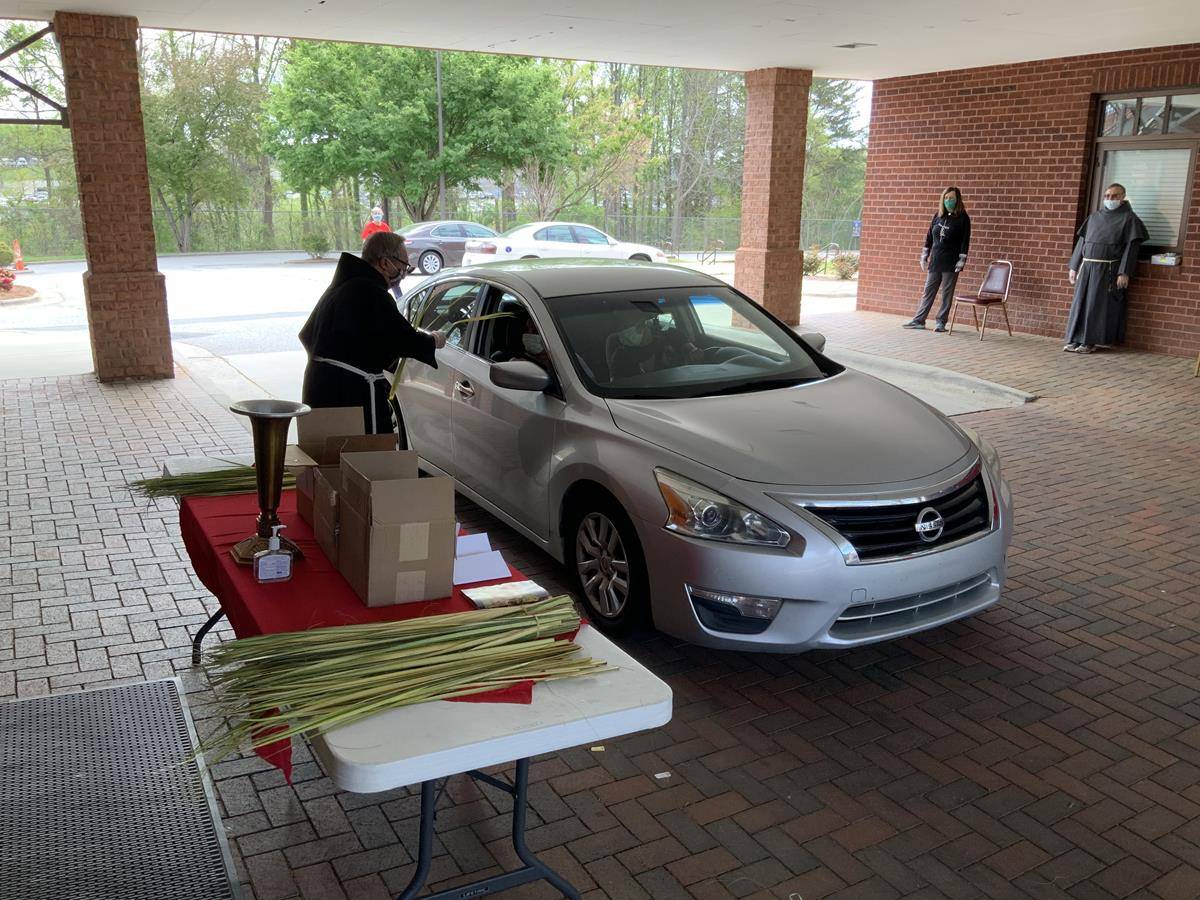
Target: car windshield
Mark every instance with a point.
(682, 342)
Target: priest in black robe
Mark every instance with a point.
(1104, 260)
(356, 332)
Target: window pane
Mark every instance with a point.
(1118, 117)
(450, 309)
(560, 233)
(1155, 181)
(1185, 114)
(1151, 120)
(589, 235)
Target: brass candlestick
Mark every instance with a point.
(269, 421)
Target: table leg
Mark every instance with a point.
(204, 629)
(533, 870)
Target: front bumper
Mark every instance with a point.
(827, 602)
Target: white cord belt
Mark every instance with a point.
(1089, 259)
(370, 378)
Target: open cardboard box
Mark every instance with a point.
(396, 531)
(322, 437)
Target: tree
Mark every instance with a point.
(199, 111)
(346, 110)
(598, 145)
(836, 153)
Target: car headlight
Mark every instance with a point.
(991, 456)
(697, 511)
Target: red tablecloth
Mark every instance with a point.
(317, 596)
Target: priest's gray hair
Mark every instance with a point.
(384, 245)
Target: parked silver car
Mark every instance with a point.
(694, 461)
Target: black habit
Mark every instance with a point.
(356, 323)
(1107, 247)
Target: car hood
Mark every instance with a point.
(850, 429)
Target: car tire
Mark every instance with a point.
(430, 262)
(596, 562)
(398, 423)
(529, 257)
(640, 257)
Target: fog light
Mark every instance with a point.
(738, 613)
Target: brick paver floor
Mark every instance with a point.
(1049, 747)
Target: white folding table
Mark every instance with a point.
(432, 741)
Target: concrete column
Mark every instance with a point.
(770, 263)
(126, 295)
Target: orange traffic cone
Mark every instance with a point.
(18, 259)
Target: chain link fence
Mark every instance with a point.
(57, 233)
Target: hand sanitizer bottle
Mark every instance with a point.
(274, 563)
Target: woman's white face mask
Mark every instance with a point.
(376, 217)
(533, 344)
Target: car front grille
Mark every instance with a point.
(884, 617)
(879, 532)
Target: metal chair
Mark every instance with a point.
(993, 292)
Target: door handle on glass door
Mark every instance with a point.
(464, 389)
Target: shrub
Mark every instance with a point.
(7, 277)
(812, 262)
(6, 254)
(315, 244)
(845, 266)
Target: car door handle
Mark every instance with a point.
(464, 389)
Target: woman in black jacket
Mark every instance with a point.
(945, 254)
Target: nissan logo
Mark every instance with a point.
(930, 524)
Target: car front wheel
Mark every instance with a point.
(430, 262)
(608, 566)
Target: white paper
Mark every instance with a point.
(480, 567)
(472, 543)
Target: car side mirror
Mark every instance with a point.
(814, 340)
(520, 375)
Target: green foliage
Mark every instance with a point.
(199, 118)
(315, 243)
(835, 162)
(812, 262)
(351, 110)
(845, 266)
(6, 253)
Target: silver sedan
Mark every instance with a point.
(698, 465)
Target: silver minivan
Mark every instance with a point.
(698, 465)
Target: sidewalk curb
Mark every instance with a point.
(948, 378)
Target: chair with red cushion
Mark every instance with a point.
(993, 292)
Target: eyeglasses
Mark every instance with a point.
(405, 267)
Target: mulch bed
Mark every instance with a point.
(18, 292)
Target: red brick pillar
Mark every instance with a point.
(126, 295)
(769, 262)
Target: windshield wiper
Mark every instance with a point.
(762, 384)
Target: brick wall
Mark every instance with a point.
(769, 264)
(126, 295)
(1017, 139)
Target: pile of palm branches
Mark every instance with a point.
(277, 686)
(215, 483)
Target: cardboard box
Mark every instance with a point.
(396, 530)
(323, 435)
(326, 510)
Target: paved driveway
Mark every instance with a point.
(1047, 748)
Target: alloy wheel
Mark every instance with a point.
(603, 565)
(431, 263)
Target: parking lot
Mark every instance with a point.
(1049, 747)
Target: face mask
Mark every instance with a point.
(533, 344)
(1111, 204)
(636, 335)
(950, 202)
(377, 217)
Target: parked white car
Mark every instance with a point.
(545, 240)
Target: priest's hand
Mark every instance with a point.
(439, 339)
(1122, 282)
(1071, 275)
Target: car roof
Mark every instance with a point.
(566, 277)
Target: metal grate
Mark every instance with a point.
(98, 799)
(879, 532)
(884, 617)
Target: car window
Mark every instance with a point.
(448, 308)
(410, 303)
(478, 231)
(560, 233)
(585, 235)
(681, 342)
(503, 339)
(447, 231)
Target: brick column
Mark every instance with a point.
(769, 262)
(126, 295)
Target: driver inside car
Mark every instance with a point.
(649, 346)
